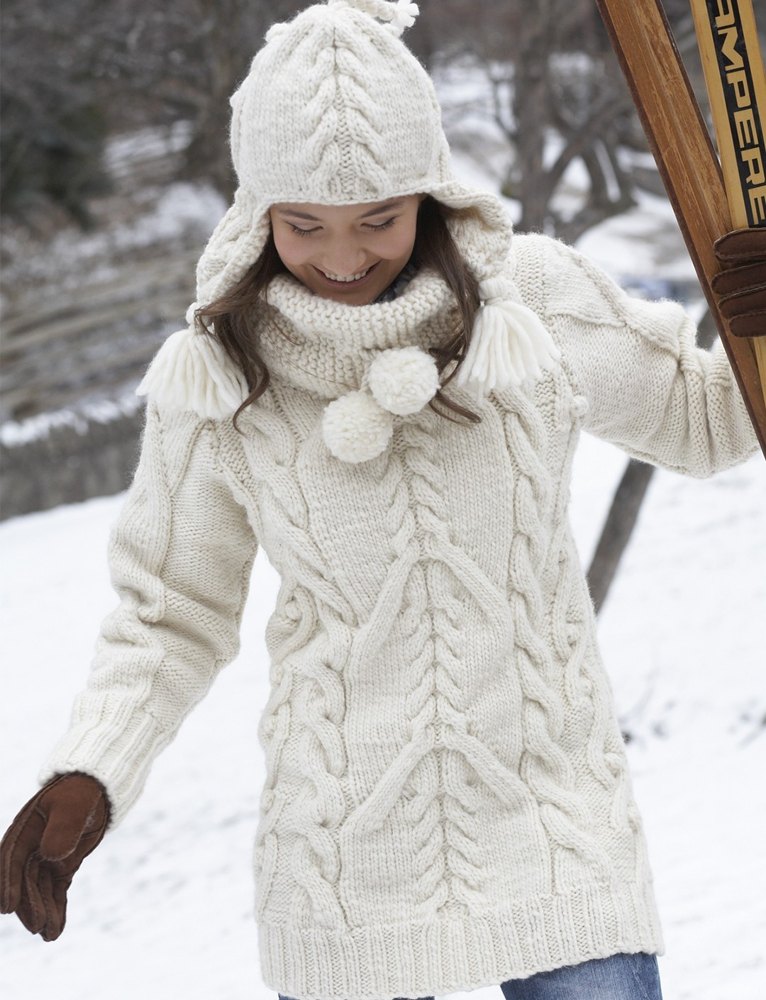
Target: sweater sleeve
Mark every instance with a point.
(180, 557)
(649, 388)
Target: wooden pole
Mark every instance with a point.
(686, 161)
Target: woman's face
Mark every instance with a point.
(347, 253)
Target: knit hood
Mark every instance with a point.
(336, 110)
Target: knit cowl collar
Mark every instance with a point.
(372, 361)
(327, 347)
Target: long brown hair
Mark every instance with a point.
(434, 248)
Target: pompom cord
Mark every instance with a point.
(191, 371)
(509, 345)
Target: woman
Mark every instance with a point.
(447, 800)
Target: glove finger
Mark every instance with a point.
(741, 245)
(31, 910)
(21, 840)
(736, 279)
(749, 300)
(749, 325)
(57, 911)
(68, 822)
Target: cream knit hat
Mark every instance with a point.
(336, 110)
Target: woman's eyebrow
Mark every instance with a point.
(312, 218)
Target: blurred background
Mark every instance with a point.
(115, 170)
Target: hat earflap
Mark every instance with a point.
(509, 343)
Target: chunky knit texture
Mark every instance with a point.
(447, 801)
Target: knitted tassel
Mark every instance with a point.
(509, 343)
(191, 371)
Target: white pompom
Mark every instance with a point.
(396, 16)
(191, 371)
(403, 379)
(509, 343)
(404, 16)
(355, 428)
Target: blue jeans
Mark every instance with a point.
(619, 977)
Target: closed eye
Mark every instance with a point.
(371, 226)
(383, 225)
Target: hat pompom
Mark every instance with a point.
(396, 16)
(356, 428)
(191, 371)
(403, 379)
(509, 343)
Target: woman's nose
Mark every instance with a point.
(344, 260)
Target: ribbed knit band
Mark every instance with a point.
(545, 932)
(116, 743)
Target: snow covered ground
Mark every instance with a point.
(163, 909)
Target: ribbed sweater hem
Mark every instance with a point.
(459, 954)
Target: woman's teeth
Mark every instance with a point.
(354, 277)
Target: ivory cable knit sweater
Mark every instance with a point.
(447, 801)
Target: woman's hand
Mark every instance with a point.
(741, 283)
(45, 845)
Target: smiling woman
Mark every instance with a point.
(348, 253)
(448, 801)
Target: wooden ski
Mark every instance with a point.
(686, 160)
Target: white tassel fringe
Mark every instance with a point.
(191, 371)
(509, 343)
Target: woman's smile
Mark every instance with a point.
(353, 281)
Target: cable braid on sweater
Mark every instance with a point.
(312, 658)
(465, 857)
(591, 694)
(413, 775)
(320, 707)
(399, 529)
(544, 765)
(586, 693)
(421, 792)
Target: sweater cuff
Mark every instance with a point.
(113, 743)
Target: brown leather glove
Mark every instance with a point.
(741, 283)
(45, 845)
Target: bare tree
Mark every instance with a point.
(73, 73)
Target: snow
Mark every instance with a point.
(163, 908)
(16, 433)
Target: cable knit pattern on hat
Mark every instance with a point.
(446, 802)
